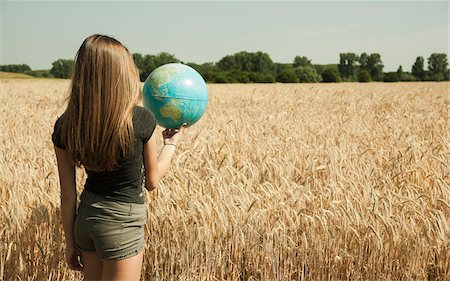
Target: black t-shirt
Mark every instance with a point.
(126, 182)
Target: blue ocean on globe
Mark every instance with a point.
(176, 94)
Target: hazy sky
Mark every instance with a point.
(39, 32)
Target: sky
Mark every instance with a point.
(39, 32)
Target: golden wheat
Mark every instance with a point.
(276, 182)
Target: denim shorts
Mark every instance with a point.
(115, 230)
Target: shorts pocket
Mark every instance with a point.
(81, 230)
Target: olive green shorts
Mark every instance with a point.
(115, 230)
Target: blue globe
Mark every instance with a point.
(176, 94)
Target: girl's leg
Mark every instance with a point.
(128, 269)
(92, 266)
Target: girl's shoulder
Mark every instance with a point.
(56, 135)
(144, 122)
(60, 119)
(142, 113)
(142, 110)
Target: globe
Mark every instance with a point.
(176, 94)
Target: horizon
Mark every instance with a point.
(38, 33)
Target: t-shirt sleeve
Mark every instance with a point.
(149, 124)
(56, 135)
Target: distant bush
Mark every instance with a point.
(239, 77)
(261, 77)
(331, 75)
(408, 77)
(438, 66)
(206, 70)
(364, 76)
(16, 68)
(301, 61)
(390, 77)
(219, 77)
(307, 74)
(320, 68)
(287, 76)
(147, 63)
(258, 62)
(39, 73)
(62, 68)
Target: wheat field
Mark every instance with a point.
(276, 182)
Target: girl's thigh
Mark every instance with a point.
(128, 269)
(92, 265)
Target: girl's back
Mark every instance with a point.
(105, 130)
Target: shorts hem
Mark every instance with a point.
(124, 256)
(85, 250)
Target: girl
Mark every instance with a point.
(104, 130)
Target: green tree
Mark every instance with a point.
(262, 62)
(407, 77)
(320, 68)
(16, 68)
(418, 68)
(278, 68)
(364, 75)
(62, 68)
(138, 59)
(363, 61)
(301, 61)
(437, 65)
(258, 67)
(237, 76)
(331, 75)
(399, 73)
(287, 76)
(307, 74)
(373, 64)
(164, 58)
(244, 61)
(391, 77)
(228, 63)
(220, 77)
(207, 70)
(146, 64)
(261, 77)
(44, 73)
(139, 62)
(347, 65)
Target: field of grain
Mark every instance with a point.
(276, 182)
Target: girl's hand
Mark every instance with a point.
(172, 136)
(73, 257)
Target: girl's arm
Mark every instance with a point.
(156, 167)
(68, 205)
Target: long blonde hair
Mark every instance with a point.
(105, 87)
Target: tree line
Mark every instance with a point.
(258, 67)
